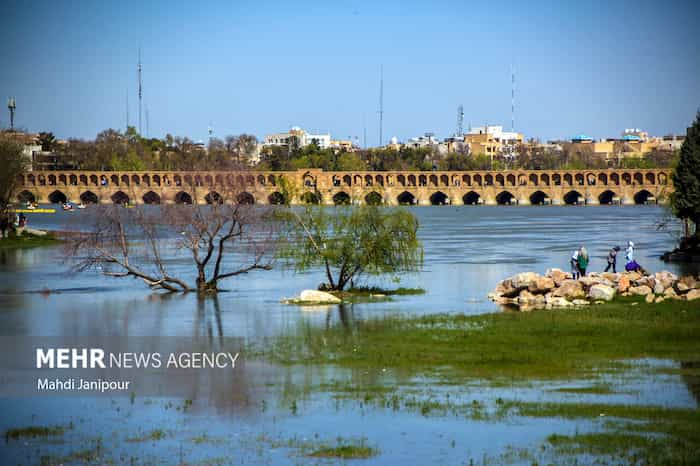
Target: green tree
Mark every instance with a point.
(686, 180)
(349, 242)
(47, 141)
(14, 163)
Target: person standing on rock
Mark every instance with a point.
(574, 265)
(629, 253)
(582, 261)
(612, 259)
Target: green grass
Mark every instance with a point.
(27, 241)
(368, 290)
(598, 389)
(347, 451)
(34, 431)
(154, 435)
(511, 347)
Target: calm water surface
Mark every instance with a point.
(253, 413)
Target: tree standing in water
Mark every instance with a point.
(349, 242)
(223, 240)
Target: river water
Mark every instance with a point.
(247, 419)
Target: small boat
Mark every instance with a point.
(67, 207)
(30, 207)
(81, 206)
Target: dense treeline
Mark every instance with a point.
(114, 150)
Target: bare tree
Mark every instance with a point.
(224, 240)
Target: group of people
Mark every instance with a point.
(7, 225)
(579, 261)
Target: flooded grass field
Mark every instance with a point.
(442, 377)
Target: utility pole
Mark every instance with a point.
(11, 106)
(127, 109)
(140, 92)
(512, 98)
(381, 104)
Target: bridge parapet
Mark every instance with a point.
(391, 187)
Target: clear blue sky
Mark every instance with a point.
(593, 67)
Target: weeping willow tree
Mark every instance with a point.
(349, 242)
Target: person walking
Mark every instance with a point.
(574, 265)
(582, 261)
(612, 259)
(629, 253)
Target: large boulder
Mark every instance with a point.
(681, 287)
(541, 285)
(524, 280)
(659, 288)
(591, 280)
(506, 289)
(623, 284)
(633, 276)
(558, 276)
(692, 295)
(666, 279)
(557, 301)
(601, 292)
(670, 293)
(642, 290)
(318, 297)
(689, 281)
(569, 289)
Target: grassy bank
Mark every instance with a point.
(540, 345)
(27, 241)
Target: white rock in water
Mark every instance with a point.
(315, 296)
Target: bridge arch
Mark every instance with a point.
(374, 198)
(471, 198)
(638, 178)
(151, 198)
(650, 178)
(538, 198)
(603, 178)
(644, 197)
(276, 198)
(439, 198)
(57, 197)
(573, 197)
(311, 197)
(607, 197)
(213, 197)
(26, 196)
(406, 198)
(120, 197)
(88, 197)
(341, 198)
(243, 197)
(504, 198)
(183, 197)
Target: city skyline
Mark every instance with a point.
(245, 68)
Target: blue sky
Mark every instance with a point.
(592, 67)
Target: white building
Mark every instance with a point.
(299, 138)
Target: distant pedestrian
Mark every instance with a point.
(574, 265)
(582, 261)
(4, 226)
(629, 253)
(612, 259)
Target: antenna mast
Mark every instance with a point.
(460, 120)
(512, 98)
(381, 104)
(127, 109)
(140, 92)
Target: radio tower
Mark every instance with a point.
(460, 120)
(512, 98)
(140, 92)
(381, 104)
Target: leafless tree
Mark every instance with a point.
(224, 240)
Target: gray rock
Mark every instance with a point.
(601, 292)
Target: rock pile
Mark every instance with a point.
(530, 290)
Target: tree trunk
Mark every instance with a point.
(202, 284)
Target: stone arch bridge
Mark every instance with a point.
(516, 187)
